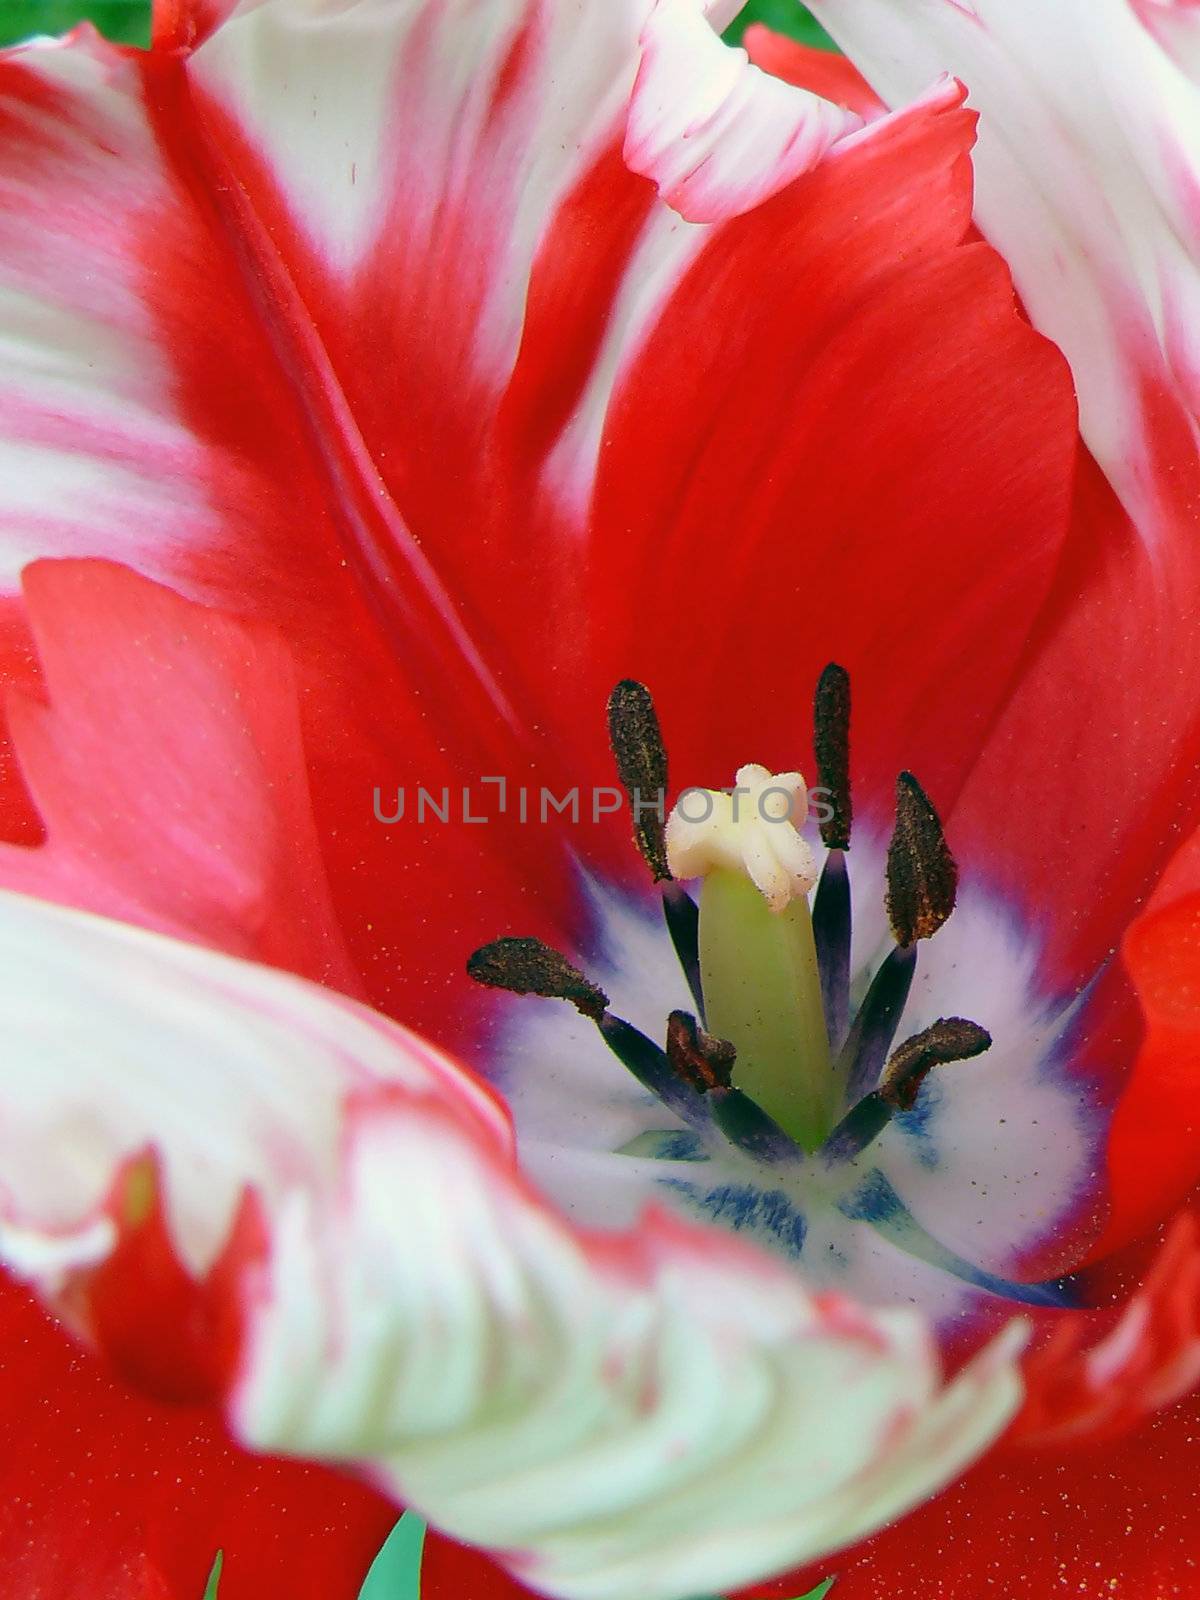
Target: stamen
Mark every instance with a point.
(832, 930)
(831, 746)
(870, 1038)
(641, 757)
(697, 1057)
(949, 1039)
(650, 1065)
(831, 908)
(922, 878)
(758, 962)
(683, 924)
(746, 1125)
(529, 966)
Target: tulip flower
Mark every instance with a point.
(598, 906)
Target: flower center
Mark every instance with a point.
(773, 1065)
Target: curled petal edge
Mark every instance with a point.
(715, 133)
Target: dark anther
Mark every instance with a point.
(697, 1057)
(527, 966)
(831, 746)
(948, 1039)
(831, 909)
(922, 879)
(641, 757)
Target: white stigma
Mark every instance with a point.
(751, 830)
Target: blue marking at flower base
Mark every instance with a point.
(876, 1202)
(918, 1126)
(745, 1209)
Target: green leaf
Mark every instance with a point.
(396, 1573)
(129, 20)
(125, 20)
(818, 1593)
(785, 16)
(214, 1577)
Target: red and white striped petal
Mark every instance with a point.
(1176, 26)
(633, 1416)
(465, 123)
(297, 299)
(166, 221)
(307, 161)
(95, 453)
(1088, 177)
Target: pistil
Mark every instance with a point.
(758, 960)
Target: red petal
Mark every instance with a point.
(1097, 1376)
(1118, 1521)
(825, 72)
(170, 1335)
(1079, 828)
(451, 1571)
(1154, 1143)
(108, 1496)
(169, 772)
(841, 473)
(1086, 782)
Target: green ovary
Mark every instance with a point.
(762, 992)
